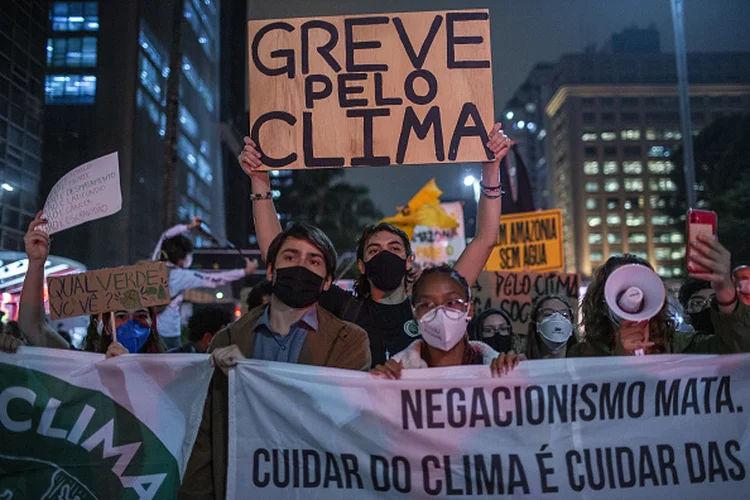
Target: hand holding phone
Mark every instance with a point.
(699, 222)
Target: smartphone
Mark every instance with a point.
(699, 222)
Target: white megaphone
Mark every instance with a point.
(634, 292)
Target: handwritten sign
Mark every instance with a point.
(103, 290)
(404, 88)
(529, 241)
(514, 293)
(434, 246)
(86, 193)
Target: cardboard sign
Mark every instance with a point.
(86, 193)
(103, 290)
(514, 293)
(434, 246)
(403, 88)
(529, 241)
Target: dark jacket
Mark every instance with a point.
(336, 344)
(732, 336)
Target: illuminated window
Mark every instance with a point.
(594, 221)
(614, 220)
(631, 134)
(595, 238)
(611, 186)
(150, 78)
(662, 185)
(659, 152)
(637, 238)
(610, 167)
(202, 34)
(153, 49)
(614, 238)
(632, 167)
(592, 187)
(664, 272)
(204, 170)
(69, 89)
(75, 16)
(662, 253)
(597, 256)
(676, 237)
(188, 123)
(186, 151)
(678, 253)
(588, 137)
(672, 135)
(660, 167)
(591, 167)
(612, 203)
(635, 220)
(609, 135)
(640, 254)
(660, 220)
(71, 52)
(633, 185)
(653, 134)
(677, 271)
(592, 204)
(657, 202)
(197, 82)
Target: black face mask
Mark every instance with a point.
(297, 287)
(501, 343)
(701, 321)
(386, 270)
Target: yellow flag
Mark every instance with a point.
(423, 210)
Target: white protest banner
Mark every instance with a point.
(650, 427)
(74, 425)
(86, 193)
(434, 246)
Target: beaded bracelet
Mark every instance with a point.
(499, 187)
(261, 196)
(492, 196)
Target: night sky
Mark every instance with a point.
(524, 33)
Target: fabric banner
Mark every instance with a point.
(76, 426)
(638, 427)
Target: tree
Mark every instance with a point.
(324, 199)
(722, 172)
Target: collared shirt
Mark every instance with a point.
(272, 346)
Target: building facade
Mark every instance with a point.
(614, 125)
(22, 65)
(105, 91)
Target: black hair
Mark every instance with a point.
(93, 342)
(176, 248)
(209, 320)
(255, 297)
(362, 284)
(477, 323)
(309, 233)
(689, 287)
(444, 269)
(533, 342)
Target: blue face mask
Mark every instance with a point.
(132, 335)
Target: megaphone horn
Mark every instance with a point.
(634, 292)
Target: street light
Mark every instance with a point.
(469, 180)
(7, 186)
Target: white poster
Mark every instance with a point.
(86, 193)
(651, 427)
(76, 426)
(434, 246)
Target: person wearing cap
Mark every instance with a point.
(606, 334)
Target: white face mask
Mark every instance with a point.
(443, 328)
(555, 329)
(188, 261)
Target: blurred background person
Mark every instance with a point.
(494, 328)
(259, 295)
(695, 298)
(202, 326)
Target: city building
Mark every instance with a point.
(613, 125)
(105, 91)
(22, 40)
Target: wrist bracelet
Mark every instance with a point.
(492, 196)
(261, 196)
(499, 187)
(725, 304)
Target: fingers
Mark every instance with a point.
(708, 248)
(38, 221)
(390, 370)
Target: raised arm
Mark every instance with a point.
(267, 224)
(474, 257)
(174, 231)
(31, 316)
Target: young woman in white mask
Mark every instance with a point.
(442, 310)
(551, 329)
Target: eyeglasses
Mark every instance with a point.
(454, 308)
(546, 312)
(489, 331)
(697, 304)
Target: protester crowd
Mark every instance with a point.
(392, 321)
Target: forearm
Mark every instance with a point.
(266, 220)
(31, 316)
(474, 257)
(169, 233)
